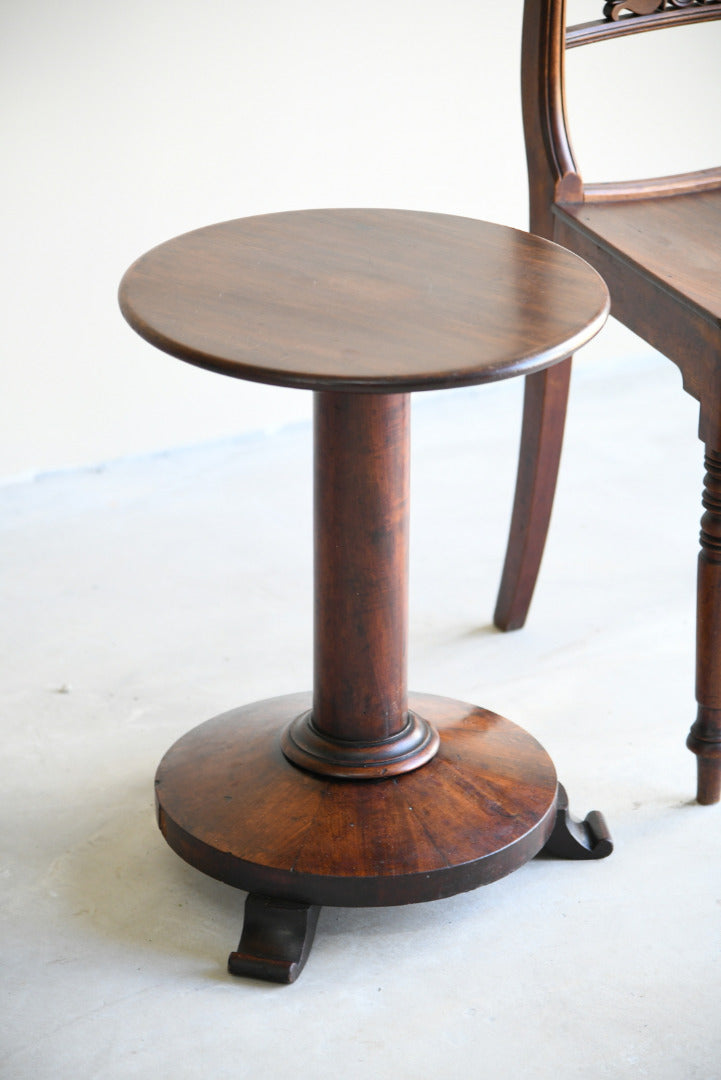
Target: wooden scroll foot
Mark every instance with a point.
(587, 839)
(276, 940)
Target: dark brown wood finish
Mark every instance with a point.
(361, 446)
(657, 243)
(546, 395)
(276, 940)
(360, 725)
(571, 839)
(704, 739)
(657, 15)
(231, 805)
(357, 794)
(384, 301)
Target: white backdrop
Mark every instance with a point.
(125, 124)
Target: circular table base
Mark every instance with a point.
(231, 805)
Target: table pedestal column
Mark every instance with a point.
(360, 725)
(359, 794)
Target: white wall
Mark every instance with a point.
(125, 124)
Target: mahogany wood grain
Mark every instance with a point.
(546, 394)
(653, 187)
(553, 171)
(692, 344)
(230, 804)
(385, 301)
(361, 447)
(357, 794)
(705, 736)
(674, 241)
(360, 725)
(656, 242)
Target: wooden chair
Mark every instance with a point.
(626, 231)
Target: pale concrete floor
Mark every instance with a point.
(146, 596)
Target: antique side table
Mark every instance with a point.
(360, 794)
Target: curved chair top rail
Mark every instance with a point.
(644, 16)
(546, 38)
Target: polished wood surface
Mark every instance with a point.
(276, 940)
(676, 241)
(623, 24)
(360, 725)
(677, 327)
(381, 300)
(656, 242)
(546, 394)
(704, 739)
(359, 794)
(231, 805)
(571, 839)
(361, 448)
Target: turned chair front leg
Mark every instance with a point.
(705, 735)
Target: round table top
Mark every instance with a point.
(364, 300)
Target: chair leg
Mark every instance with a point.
(705, 736)
(544, 414)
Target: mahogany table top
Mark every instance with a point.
(365, 300)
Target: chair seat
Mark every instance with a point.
(677, 239)
(370, 300)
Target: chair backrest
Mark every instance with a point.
(552, 168)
